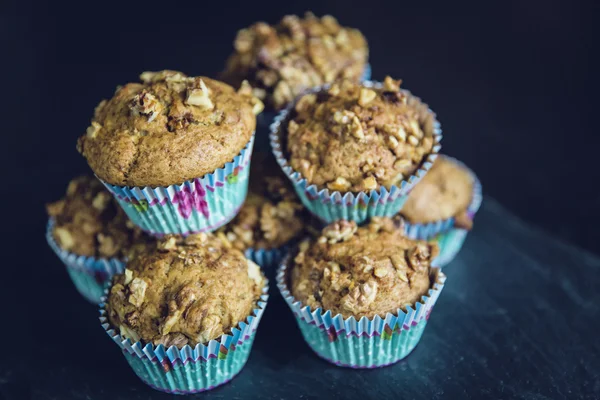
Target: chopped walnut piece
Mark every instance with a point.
(146, 104)
(391, 85)
(137, 289)
(64, 238)
(101, 201)
(366, 96)
(92, 130)
(339, 231)
(340, 184)
(199, 95)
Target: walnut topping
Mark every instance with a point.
(254, 273)
(366, 96)
(128, 276)
(199, 95)
(305, 102)
(246, 90)
(101, 201)
(137, 289)
(166, 75)
(413, 140)
(391, 85)
(146, 104)
(64, 238)
(92, 130)
(340, 184)
(339, 231)
(129, 333)
(369, 183)
(380, 272)
(418, 256)
(168, 244)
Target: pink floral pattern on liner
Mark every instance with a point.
(188, 199)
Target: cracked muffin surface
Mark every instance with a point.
(280, 61)
(357, 138)
(362, 272)
(272, 215)
(168, 129)
(187, 291)
(89, 222)
(446, 191)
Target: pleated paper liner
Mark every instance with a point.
(89, 274)
(364, 343)
(450, 243)
(190, 370)
(198, 205)
(265, 119)
(329, 205)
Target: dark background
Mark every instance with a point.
(514, 84)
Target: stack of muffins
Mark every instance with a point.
(354, 211)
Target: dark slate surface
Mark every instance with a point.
(516, 320)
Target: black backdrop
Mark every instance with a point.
(513, 82)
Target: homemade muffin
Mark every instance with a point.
(362, 272)
(89, 222)
(355, 138)
(187, 291)
(168, 129)
(446, 191)
(298, 53)
(272, 215)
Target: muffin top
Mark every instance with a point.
(272, 215)
(89, 222)
(298, 53)
(187, 291)
(355, 138)
(168, 129)
(362, 272)
(445, 192)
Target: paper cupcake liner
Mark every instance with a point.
(190, 370)
(329, 205)
(432, 229)
(450, 243)
(198, 205)
(265, 119)
(89, 274)
(266, 258)
(364, 343)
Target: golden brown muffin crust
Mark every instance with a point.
(272, 215)
(445, 192)
(188, 291)
(355, 138)
(89, 222)
(281, 61)
(167, 129)
(362, 272)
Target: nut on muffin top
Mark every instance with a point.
(357, 138)
(362, 272)
(272, 215)
(446, 191)
(187, 291)
(281, 61)
(89, 222)
(168, 129)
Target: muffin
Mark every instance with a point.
(271, 218)
(174, 150)
(362, 295)
(92, 235)
(366, 143)
(283, 60)
(442, 206)
(197, 299)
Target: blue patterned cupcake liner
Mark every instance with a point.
(432, 229)
(190, 369)
(89, 274)
(364, 343)
(198, 205)
(331, 206)
(450, 243)
(266, 258)
(265, 119)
